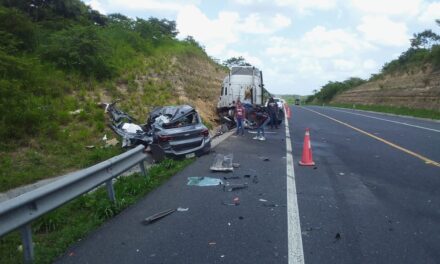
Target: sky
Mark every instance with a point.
(300, 45)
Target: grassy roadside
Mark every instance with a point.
(431, 114)
(56, 231)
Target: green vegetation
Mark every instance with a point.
(60, 56)
(329, 90)
(424, 52)
(423, 113)
(56, 231)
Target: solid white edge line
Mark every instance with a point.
(294, 239)
(387, 120)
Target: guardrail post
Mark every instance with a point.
(26, 240)
(143, 170)
(110, 190)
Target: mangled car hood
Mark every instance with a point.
(171, 113)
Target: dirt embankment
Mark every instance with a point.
(172, 80)
(419, 90)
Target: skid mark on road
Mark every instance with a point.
(295, 247)
(387, 120)
(425, 159)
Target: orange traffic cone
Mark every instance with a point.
(307, 159)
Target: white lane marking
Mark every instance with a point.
(295, 246)
(387, 120)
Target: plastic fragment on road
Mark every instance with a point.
(262, 200)
(204, 181)
(222, 163)
(181, 209)
(157, 216)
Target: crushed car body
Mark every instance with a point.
(172, 131)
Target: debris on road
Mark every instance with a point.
(212, 243)
(255, 179)
(234, 187)
(236, 201)
(231, 177)
(262, 200)
(158, 216)
(235, 165)
(204, 181)
(247, 175)
(264, 158)
(90, 147)
(222, 163)
(180, 209)
(241, 217)
(338, 236)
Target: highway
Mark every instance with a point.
(373, 197)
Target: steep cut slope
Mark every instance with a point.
(419, 90)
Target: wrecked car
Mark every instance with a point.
(172, 131)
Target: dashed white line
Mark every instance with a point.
(387, 120)
(295, 246)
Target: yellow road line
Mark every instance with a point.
(425, 159)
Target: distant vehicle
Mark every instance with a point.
(170, 131)
(297, 101)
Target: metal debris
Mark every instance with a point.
(158, 216)
(222, 163)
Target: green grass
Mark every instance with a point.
(56, 231)
(423, 113)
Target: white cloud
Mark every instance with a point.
(154, 5)
(254, 24)
(214, 34)
(370, 65)
(97, 5)
(430, 13)
(317, 43)
(344, 65)
(388, 7)
(381, 30)
(251, 58)
(217, 34)
(305, 5)
(281, 21)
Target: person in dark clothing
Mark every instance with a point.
(272, 108)
(262, 119)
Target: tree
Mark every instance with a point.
(236, 61)
(425, 40)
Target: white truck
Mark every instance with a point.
(244, 83)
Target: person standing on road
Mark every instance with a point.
(262, 119)
(240, 113)
(272, 107)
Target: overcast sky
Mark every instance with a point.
(299, 45)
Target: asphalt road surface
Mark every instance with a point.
(373, 197)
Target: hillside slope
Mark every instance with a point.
(60, 59)
(419, 90)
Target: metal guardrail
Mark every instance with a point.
(19, 212)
